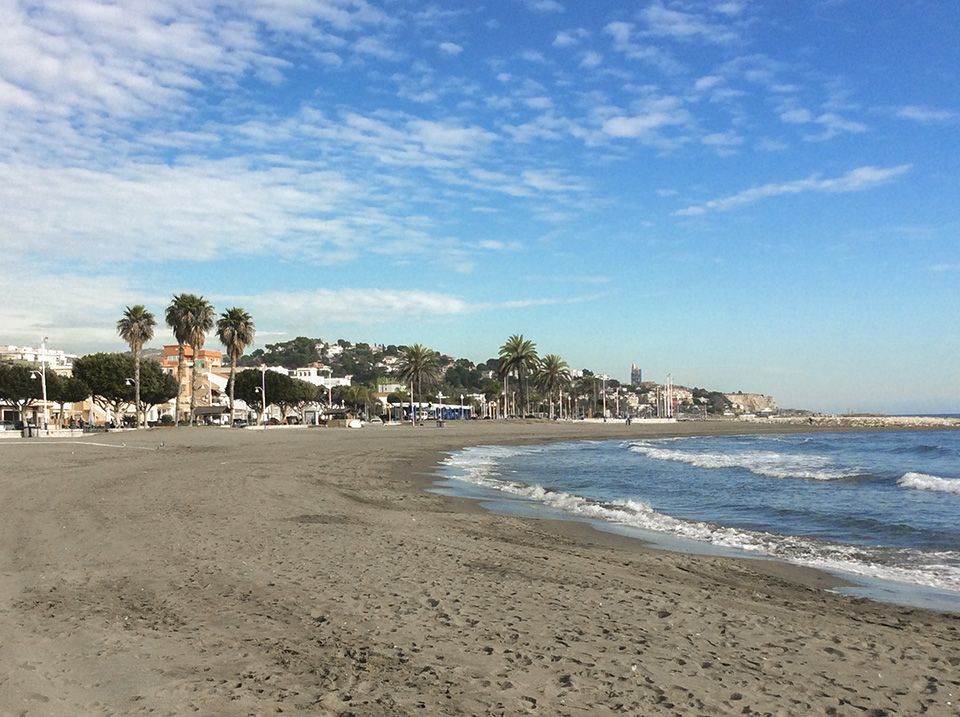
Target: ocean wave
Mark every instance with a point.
(937, 570)
(771, 464)
(922, 481)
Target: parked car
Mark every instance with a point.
(240, 423)
(8, 426)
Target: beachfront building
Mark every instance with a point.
(319, 376)
(58, 361)
(209, 378)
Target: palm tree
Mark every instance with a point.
(235, 329)
(191, 317)
(201, 322)
(418, 366)
(552, 375)
(136, 328)
(518, 355)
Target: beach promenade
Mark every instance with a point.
(308, 571)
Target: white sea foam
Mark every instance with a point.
(922, 481)
(481, 466)
(772, 464)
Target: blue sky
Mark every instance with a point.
(749, 196)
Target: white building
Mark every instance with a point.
(58, 361)
(320, 377)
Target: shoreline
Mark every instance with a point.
(237, 572)
(845, 582)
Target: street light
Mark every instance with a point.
(263, 392)
(43, 385)
(136, 411)
(603, 392)
(440, 398)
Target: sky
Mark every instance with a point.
(743, 195)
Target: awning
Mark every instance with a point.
(210, 410)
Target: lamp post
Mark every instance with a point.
(136, 408)
(43, 385)
(603, 393)
(43, 381)
(263, 393)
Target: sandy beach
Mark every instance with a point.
(308, 571)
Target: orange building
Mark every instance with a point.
(206, 359)
(210, 378)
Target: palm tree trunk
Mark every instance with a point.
(181, 356)
(136, 383)
(506, 383)
(193, 386)
(233, 375)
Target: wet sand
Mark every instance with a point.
(244, 572)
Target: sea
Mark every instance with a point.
(879, 509)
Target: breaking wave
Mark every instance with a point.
(922, 481)
(772, 464)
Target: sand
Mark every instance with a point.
(244, 572)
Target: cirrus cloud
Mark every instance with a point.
(856, 180)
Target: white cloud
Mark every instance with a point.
(532, 56)
(375, 47)
(532, 303)
(708, 82)
(90, 58)
(347, 305)
(855, 180)
(796, 115)
(665, 22)
(833, 125)
(544, 6)
(623, 42)
(551, 181)
(450, 48)
(193, 211)
(926, 115)
(591, 59)
(497, 245)
(539, 103)
(722, 139)
(78, 312)
(654, 114)
(570, 38)
(731, 8)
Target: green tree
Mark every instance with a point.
(157, 387)
(109, 377)
(67, 389)
(136, 328)
(419, 367)
(248, 386)
(296, 353)
(289, 393)
(358, 398)
(236, 330)
(518, 356)
(552, 375)
(19, 388)
(585, 393)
